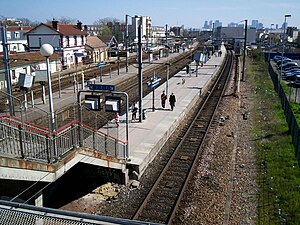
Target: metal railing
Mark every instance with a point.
(28, 141)
(20, 214)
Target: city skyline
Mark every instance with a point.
(191, 14)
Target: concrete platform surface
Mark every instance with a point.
(146, 138)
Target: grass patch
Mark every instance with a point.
(278, 170)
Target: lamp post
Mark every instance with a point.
(126, 41)
(270, 42)
(46, 50)
(244, 55)
(7, 71)
(282, 52)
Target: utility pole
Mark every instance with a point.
(126, 41)
(167, 53)
(244, 56)
(140, 72)
(7, 71)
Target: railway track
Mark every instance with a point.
(162, 201)
(129, 85)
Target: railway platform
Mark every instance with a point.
(147, 137)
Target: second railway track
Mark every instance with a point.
(163, 199)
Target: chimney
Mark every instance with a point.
(55, 24)
(79, 25)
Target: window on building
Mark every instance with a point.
(82, 40)
(68, 41)
(17, 35)
(75, 40)
(8, 35)
(40, 42)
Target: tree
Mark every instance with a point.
(113, 25)
(64, 20)
(106, 31)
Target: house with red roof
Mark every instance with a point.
(68, 40)
(16, 39)
(97, 50)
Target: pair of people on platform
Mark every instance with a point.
(172, 100)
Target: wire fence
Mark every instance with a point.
(288, 112)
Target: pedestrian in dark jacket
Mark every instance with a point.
(172, 101)
(163, 99)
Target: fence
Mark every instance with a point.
(29, 141)
(289, 115)
(19, 214)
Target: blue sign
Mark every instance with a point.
(100, 64)
(154, 81)
(102, 87)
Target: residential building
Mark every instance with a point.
(16, 40)
(28, 63)
(96, 50)
(292, 33)
(146, 31)
(67, 39)
(93, 30)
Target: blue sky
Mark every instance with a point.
(190, 13)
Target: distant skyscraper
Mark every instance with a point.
(210, 24)
(284, 25)
(218, 23)
(205, 26)
(254, 24)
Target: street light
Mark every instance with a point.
(245, 45)
(46, 50)
(270, 42)
(283, 42)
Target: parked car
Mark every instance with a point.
(292, 76)
(296, 83)
(287, 65)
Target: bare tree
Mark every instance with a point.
(64, 20)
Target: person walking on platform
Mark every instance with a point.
(163, 99)
(172, 101)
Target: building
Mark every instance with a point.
(178, 31)
(235, 33)
(16, 40)
(292, 33)
(96, 50)
(146, 31)
(28, 63)
(93, 30)
(67, 39)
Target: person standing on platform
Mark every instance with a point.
(163, 99)
(134, 110)
(172, 101)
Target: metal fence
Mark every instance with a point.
(28, 141)
(288, 112)
(20, 214)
